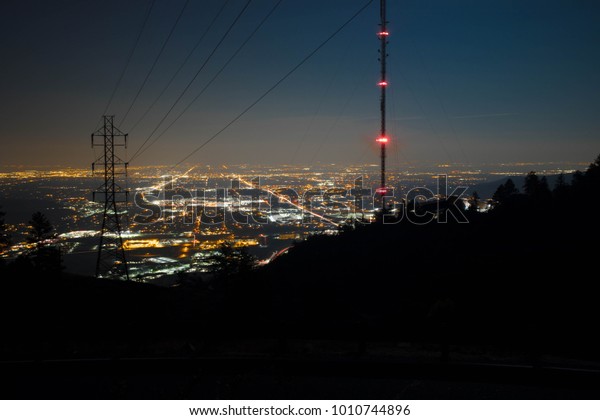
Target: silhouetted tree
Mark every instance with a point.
(544, 193)
(592, 176)
(505, 190)
(595, 165)
(499, 195)
(46, 259)
(510, 188)
(40, 228)
(4, 238)
(577, 179)
(230, 260)
(4, 235)
(532, 184)
(537, 188)
(561, 188)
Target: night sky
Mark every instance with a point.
(477, 81)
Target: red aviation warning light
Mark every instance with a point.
(382, 139)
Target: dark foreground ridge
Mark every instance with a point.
(500, 307)
(290, 377)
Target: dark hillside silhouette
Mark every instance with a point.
(399, 281)
(521, 277)
(395, 281)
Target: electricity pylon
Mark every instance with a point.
(111, 262)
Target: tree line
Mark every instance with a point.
(43, 256)
(584, 185)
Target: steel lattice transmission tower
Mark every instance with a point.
(383, 84)
(111, 262)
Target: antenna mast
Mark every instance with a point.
(382, 139)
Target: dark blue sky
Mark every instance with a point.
(474, 81)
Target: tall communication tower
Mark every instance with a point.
(383, 84)
(111, 262)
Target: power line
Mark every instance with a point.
(155, 61)
(193, 78)
(229, 60)
(131, 53)
(211, 24)
(288, 74)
